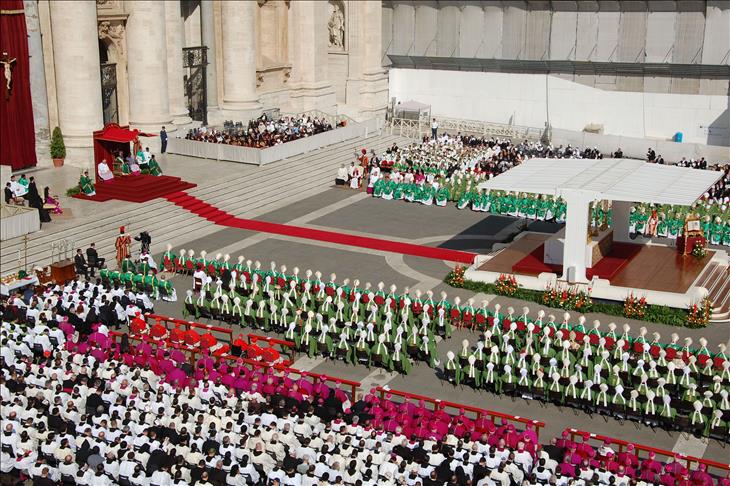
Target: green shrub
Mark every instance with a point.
(72, 191)
(58, 148)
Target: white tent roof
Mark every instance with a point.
(412, 105)
(611, 179)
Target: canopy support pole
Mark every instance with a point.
(576, 235)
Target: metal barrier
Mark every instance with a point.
(418, 128)
(479, 412)
(622, 444)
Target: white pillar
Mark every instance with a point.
(149, 106)
(620, 214)
(78, 76)
(576, 234)
(175, 38)
(374, 87)
(311, 88)
(238, 24)
(207, 27)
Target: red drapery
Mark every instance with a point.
(17, 133)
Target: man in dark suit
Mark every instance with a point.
(93, 259)
(163, 140)
(80, 263)
(9, 197)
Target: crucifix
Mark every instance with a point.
(8, 71)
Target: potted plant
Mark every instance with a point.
(58, 148)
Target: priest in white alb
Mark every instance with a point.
(104, 172)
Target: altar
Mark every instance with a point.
(597, 256)
(597, 247)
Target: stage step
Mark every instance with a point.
(719, 293)
(138, 189)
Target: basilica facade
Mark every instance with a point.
(149, 63)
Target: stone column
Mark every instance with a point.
(149, 106)
(78, 76)
(240, 100)
(374, 87)
(175, 39)
(39, 94)
(207, 27)
(311, 88)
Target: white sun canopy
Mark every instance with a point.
(610, 179)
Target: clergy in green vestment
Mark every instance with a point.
(154, 167)
(85, 184)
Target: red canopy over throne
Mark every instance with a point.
(113, 139)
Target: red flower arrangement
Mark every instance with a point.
(455, 278)
(506, 285)
(699, 313)
(569, 298)
(634, 307)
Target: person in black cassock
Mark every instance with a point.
(35, 201)
(146, 240)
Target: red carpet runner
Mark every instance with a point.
(141, 188)
(215, 215)
(606, 268)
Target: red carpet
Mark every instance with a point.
(141, 188)
(222, 218)
(606, 268)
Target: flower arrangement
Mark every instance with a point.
(569, 298)
(634, 307)
(698, 314)
(699, 250)
(455, 278)
(506, 285)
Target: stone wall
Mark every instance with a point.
(637, 31)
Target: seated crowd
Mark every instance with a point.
(451, 168)
(643, 381)
(81, 304)
(108, 414)
(630, 377)
(262, 132)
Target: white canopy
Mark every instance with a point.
(412, 105)
(610, 179)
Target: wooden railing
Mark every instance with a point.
(289, 346)
(478, 412)
(719, 469)
(225, 334)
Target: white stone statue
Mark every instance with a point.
(336, 26)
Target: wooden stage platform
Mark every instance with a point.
(657, 268)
